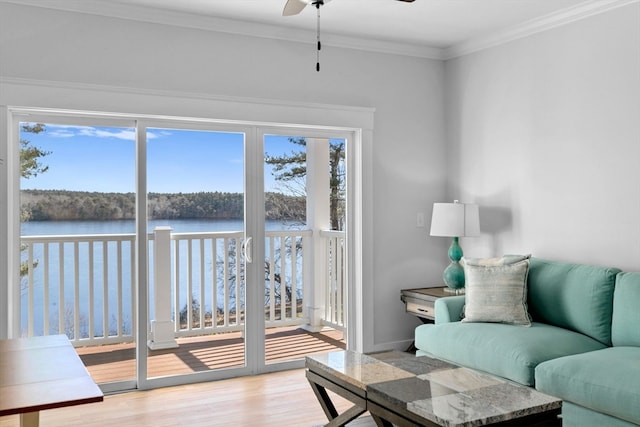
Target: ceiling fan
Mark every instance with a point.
(294, 7)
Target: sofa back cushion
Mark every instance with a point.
(626, 310)
(574, 296)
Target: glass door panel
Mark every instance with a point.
(195, 204)
(304, 241)
(77, 209)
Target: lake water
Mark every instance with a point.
(41, 228)
(67, 276)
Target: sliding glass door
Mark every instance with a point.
(195, 214)
(77, 238)
(181, 250)
(305, 269)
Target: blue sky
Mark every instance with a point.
(102, 159)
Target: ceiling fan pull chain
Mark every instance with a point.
(318, 38)
(294, 7)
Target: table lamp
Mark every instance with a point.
(455, 220)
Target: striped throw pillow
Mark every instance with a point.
(496, 290)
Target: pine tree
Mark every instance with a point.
(30, 165)
(291, 169)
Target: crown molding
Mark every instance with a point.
(230, 26)
(556, 19)
(254, 29)
(381, 46)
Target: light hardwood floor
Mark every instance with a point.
(282, 399)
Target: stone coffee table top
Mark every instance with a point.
(423, 388)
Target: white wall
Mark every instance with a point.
(404, 163)
(544, 133)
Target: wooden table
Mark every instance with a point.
(42, 373)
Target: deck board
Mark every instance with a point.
(108, 363)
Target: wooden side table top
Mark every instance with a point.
(43, 373)
(427, 293)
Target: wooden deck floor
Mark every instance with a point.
(110, 363)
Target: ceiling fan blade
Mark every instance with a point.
(407, 1)
(293, 7)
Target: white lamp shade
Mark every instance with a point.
(455, 220)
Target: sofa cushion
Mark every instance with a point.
(604, 381)
(496, 290)
(577, 416)
(508, 351)
(626, 310)
(573, 296)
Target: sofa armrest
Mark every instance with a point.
(449, 309)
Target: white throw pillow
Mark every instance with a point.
(496, 290)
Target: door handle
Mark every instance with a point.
(246, 248)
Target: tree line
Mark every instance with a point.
(59, 205)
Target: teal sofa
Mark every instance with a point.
(583, 344)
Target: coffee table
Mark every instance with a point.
(402, 389)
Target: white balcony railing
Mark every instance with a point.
(335, 292)
(84, 285)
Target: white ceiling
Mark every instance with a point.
(432, 28)
(438, 23)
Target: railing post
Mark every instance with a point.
(317, 220)
(162, 327)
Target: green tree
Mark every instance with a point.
(30, 156)
(291, 169)
(30, 166)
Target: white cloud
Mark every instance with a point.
(127, 134)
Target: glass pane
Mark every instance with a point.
(196, 273)
(304, 193)
(77, 238)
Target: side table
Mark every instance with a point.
(420, 302)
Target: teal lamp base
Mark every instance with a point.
(453, 275)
